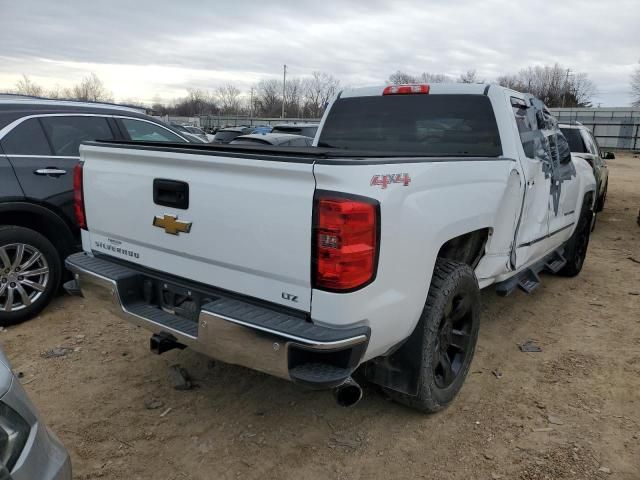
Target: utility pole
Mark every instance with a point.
(566, 86)
(251, 104)
(284, 85)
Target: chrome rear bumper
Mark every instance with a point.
(228, 329)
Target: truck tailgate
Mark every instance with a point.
(246, 229)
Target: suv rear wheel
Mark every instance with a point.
(602, 199)
(30, 270)
(576, 247)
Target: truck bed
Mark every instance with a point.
(318, 155)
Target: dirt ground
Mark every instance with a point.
(571, 411)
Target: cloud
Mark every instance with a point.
(147, 48)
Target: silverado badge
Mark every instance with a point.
(171, 224)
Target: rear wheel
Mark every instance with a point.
(449, 322)
(576, 248)
(602, 199)
(30, 271)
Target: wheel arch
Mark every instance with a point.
(467, 247)
(42, 220)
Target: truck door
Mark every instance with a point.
(533, 226)
(564, 208)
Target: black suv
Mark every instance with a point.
(39, 149)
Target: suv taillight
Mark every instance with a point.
(346, 241)
(78, 197)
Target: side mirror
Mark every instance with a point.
(608, 155)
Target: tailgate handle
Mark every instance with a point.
(171, 193)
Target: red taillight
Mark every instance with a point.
(345, 242)
(78, 197)
(405, 89)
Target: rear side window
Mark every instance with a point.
(26, 139)
(67, 133)
(140, 131)
(576, 142)
(425, 125)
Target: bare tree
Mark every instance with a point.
(228, 97)
(318, 90)
(293, 97)
(196, 102)
(401, 77)
(510, 81)
(580, 91)
(268, 99)
(25, 86)
(57, 93)
(635, 87)
(469, 76)
(91, 89)
(434, 77)
(555, 85)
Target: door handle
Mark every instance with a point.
(51, 172)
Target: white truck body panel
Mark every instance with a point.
(251, 231)
(392, 304)
(252, 220)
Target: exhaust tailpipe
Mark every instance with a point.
(348, 394)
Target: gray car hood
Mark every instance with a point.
(6, 375)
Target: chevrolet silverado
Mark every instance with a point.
(360, 257)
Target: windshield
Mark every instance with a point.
(425, 125)
(576, 144)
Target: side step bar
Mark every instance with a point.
(529, 279)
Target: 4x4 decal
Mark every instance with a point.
(389, 178)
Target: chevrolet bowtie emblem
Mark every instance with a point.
(171, 224)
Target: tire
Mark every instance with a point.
(449, 326)
(576, 247)
(26, 291)
(602, 199)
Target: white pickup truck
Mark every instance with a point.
(366, 252)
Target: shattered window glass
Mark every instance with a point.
(525, 128)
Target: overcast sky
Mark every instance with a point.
(144, 49)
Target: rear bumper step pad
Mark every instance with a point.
(228, 329)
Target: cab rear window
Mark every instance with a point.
(425, 125)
